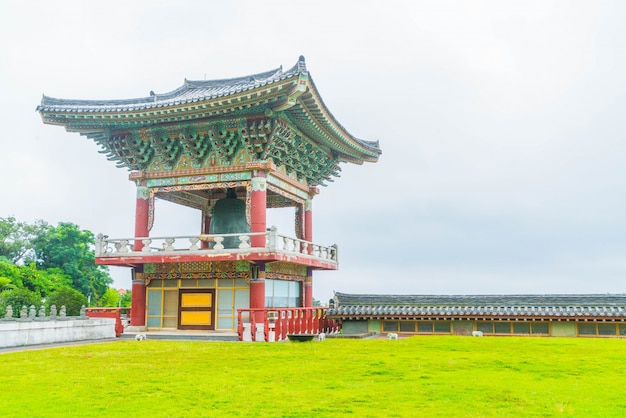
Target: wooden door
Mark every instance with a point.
(196, 309)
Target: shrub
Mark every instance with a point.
(72, 299)
(18, 298)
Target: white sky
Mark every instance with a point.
(501, 124)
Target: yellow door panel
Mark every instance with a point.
(196, 300)
(196, 309)
(195, 318)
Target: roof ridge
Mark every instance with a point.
(220, 87)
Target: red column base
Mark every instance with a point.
(138, 307)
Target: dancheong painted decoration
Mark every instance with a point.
(232, 149)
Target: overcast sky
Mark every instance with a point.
(502, 126)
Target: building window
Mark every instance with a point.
(607, 329)
(443, 327)
(390, 326)
(407, 326)
(282, 294)
(540, 328)
(502, 327)
(484, 327)
(521, 328)
(425, 327)
(586, 328)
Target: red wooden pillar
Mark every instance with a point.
(308, 288)
(142, 207)
(258, 208)
(308, 236)
(308, 222)
(138, 311)
(257, 290)
(206, 225)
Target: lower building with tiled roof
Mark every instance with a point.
(541, 315)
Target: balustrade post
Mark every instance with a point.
(99, 245)
(272, 238)
(290, 322)
(146, 245)
(252, 325)
(308, 321)
(317, 320)
(239, 325)
(218, 243)
(244, 241)
(298, 321)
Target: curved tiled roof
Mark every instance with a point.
(290, 95)
(190, 92)
(425, 306)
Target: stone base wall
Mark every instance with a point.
(17, 333)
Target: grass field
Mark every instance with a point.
(419, 376)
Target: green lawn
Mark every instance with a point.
(419, 376)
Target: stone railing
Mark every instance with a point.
(34, 327)
(277, 324)
(31, 314)
(214, 243)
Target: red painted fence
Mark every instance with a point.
(110, 313)
(274, 324)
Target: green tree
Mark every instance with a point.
(70, 249)
(45, 281)
(9, 275)
(17, 298)
(127, 299)
(5, 284)
(72, 299)
(110, 298)
(16, 237)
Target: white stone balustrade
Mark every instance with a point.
(274, 242)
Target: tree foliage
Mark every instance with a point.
(45, 281)
(126, 299)
(70, 249)
(9, 274)
(44, 258)
(110, 298)
(17, 298)
(16, 237)
(72, 299)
